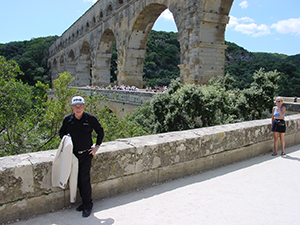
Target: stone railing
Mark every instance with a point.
(126, 97)
(127, 164)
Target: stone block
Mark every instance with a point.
(41, 163)
(124, 184)
(114, 159)
(16, 178)
(185, 168)
(29, 207)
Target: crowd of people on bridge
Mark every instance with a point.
(123, 87)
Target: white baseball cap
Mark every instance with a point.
(78, 100)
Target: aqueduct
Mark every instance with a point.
(85, 48)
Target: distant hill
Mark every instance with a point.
(161, 60)
(241, 64)
(31, 56)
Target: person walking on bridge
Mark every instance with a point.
(80, 125)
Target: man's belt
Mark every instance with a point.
(83, 151)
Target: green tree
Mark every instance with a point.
(30, 119)
(162, 58)
(31, 56)
(185, 107)
(16, 104)
(260, 96)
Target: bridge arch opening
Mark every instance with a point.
(62, 64)
(71, 64)
(101, 70)
(135, 51)
(83, 67)
(109, 10)
(71, 56)
(162, 53)
(55, 69)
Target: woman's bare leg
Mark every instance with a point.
(275, 134)
(282, 141)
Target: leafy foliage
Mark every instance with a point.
(15, 108)
(185, 107)
(30, 119)
(162, 58)
(241, 65)
(31, 57)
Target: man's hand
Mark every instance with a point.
(93, 150)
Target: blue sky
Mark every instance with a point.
(256, 25)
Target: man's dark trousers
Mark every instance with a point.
(84, 179)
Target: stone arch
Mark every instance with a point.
(83, 67)
(71, 64)
(62, 64)
(136, 48)
(85, 48)
(55, 72)
(201, 27)
(87, 26)
(71, 56)
(101, 68)
(62, 59)
(109, 10)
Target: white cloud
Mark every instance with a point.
(234, 21)
(262, 29)
(244, 4)
(246, 28)
(247, 25)
(167, 15)
(287, 26)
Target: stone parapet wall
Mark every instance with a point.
(127, 164)
(126, 97)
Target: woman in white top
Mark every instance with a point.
(278, 125)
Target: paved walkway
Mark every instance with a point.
(263, 190)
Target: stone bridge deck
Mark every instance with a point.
(263, 190)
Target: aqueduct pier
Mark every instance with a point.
(85, 48)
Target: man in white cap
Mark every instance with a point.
(80, 125)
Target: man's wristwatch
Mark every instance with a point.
(97, 146)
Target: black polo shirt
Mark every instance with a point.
(81, 130)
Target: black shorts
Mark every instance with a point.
(278, 126)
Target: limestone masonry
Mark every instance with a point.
(85, 48)
(127, 164)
